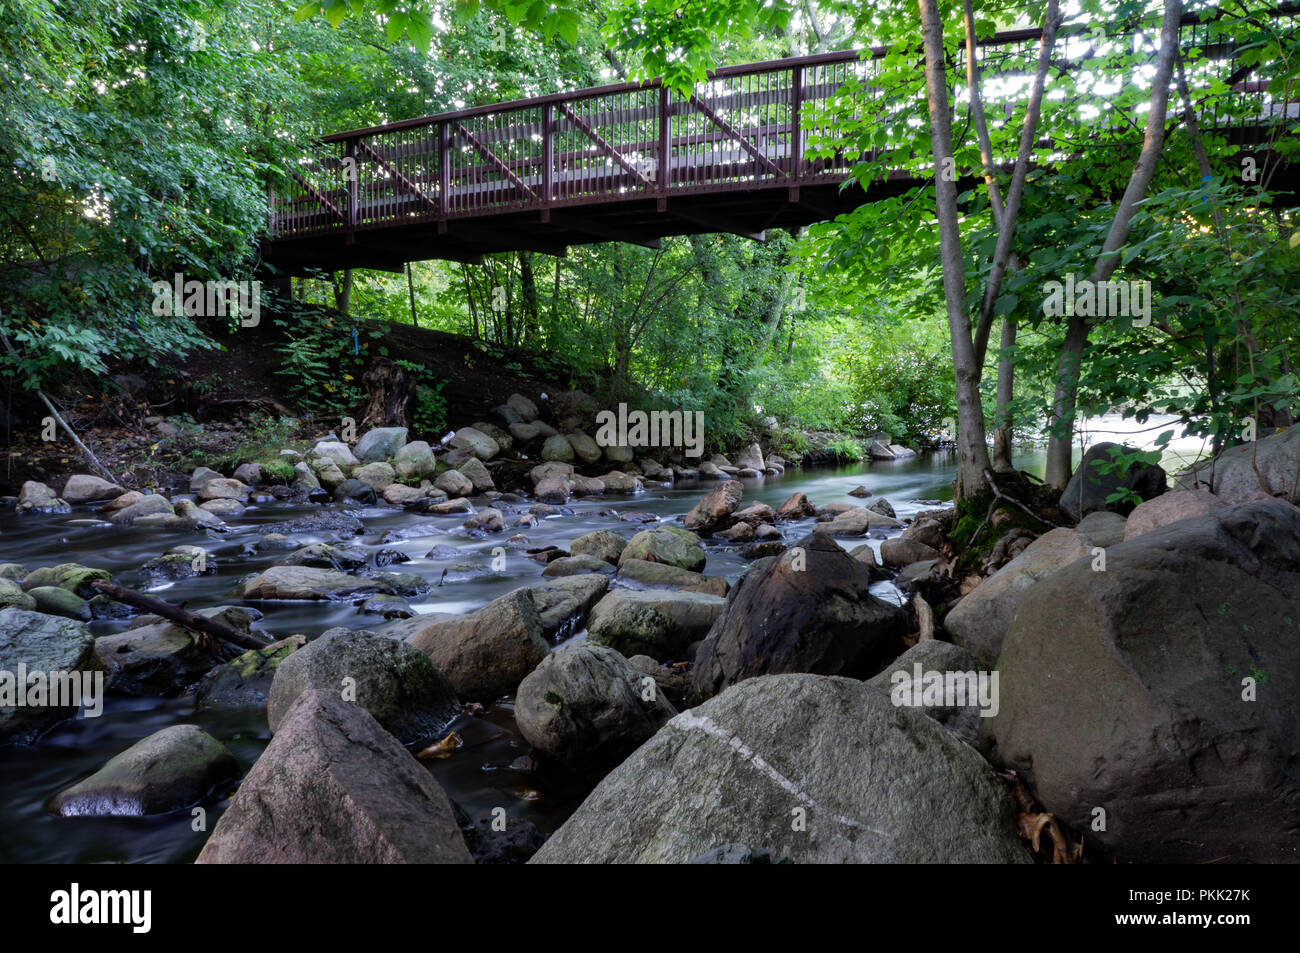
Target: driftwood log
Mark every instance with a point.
(182, 617)
(392, 392)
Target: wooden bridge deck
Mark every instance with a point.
(636, 162)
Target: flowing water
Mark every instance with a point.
(490, 769)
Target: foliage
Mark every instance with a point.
(430, 413)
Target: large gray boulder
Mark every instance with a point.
(980, 619)
(654, 622)
(333, 787)
(817, 769)
(170, 769)
(480, 444)
(45, 644)
(396, 683)
(381, 443)
(1124, 690)
(807, 610)
(899, 680)
(563, 603)
(309, 582)
(1170, 508)
(602, 543)
(666, 544)
(487, 653)
(1231, 475)
(1088, 488)
(84, 488)
(587, 707)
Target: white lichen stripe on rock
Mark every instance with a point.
(690, 720)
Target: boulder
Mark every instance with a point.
(655, 622)
(1088, 488)
(487, 520)
(337, 451)
(45, 644)
(718, 504)
(980, 619)
(55, 601)
(84, 488)
(586, 449)
(478, 475)
(158, 659)
(882, 506)
(304, 478)
(396, 683)
(617, 454)
(167, 771)
(1231, 475)
(154, 504)
(751, 458)
(961, 718)
(856, 521)
(563, 603)
(487, 653)
(572, 565)
(587, 708)
(522, 406)
(309, 582)
(244, 682)
(616, 481)
(355, 491)
(796, 508)
(601, 543)
(378, 476)
(12, 596)
(71, 576)
(903, 552)
(557, 449)
(480, 444)
(524, 432)
(814, 768)
(249, 473)
(381, 443)
(808, 610)
(333, 787)
(666, 544)
(644, 573)
(1164, 691)
(200, 477)
(415, 461)
(454, 483)
(1170, 508)
(223, 489)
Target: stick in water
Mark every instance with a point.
(182, 617)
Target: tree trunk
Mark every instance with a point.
(391, 393)
(1060, 441)
(972, 452)
(1002, 437)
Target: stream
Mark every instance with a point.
(491, 769)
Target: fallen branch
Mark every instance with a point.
(182, 617)
(86, 451)
(1014, 502)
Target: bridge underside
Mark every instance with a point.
(637, 220)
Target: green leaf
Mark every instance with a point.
(306, 11)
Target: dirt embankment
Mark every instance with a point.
(149, 421)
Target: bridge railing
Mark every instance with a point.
(745, 127)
